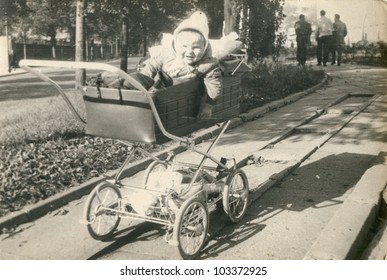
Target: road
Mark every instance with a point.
(285, 219)
(23, 86)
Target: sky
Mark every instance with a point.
(368, 17)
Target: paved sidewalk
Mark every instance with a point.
(13, 72)
(57, 236)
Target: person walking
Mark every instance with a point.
(303, 31)
(324, 38)
(338, 43)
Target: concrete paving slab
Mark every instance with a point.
(350, 227)
(258, 174)
(308, 196)
(283, 225)
(351, 224)
(270, 124)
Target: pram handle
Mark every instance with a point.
(26, 64)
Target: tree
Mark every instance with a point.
(51, 16)
(264, 20)
(79, 43)
(16, 20)
(214, 9)
(11, 11)
(230, 16)
(141, 21)
(260, 22)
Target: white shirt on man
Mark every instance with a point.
(324, 27)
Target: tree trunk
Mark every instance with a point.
(144, 47)
(79, 73)
(85, 37)
(92, 50)
(53, 48)
(229, 18)
(117, 50)
(87, 54)
(24, 48)
(124, 46)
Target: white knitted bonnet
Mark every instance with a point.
(198, 22)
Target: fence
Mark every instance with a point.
(62, 51)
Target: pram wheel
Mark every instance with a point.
(235, 195)
(191, 227)
(101, 221)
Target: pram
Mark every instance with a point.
(175, 194)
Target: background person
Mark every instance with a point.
(324, 38)
(303, 31)
(338, 43)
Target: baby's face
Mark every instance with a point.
(190, 46)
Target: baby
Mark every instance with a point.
(189, 56)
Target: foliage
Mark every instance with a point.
(214, 11)
(146, 19)
(292, 13)
(366, 52)
(271, 80)
(260, 24)
(383, 52)
(11, 12)
(37, 170)
(43, 149)
(50, 16)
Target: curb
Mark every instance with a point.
(377, 249)
(275, 105)
(17, 72)
(350, 226)
(33, 212)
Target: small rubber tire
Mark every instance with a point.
(191, 228)
(102, 224)
(236, 195)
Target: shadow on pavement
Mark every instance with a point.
(130, 235)
(319, 185)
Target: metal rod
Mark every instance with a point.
(105, 67)
(132, 151)
(135, 216)
(47, 79)
(207, 155)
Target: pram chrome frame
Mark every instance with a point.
(184, 214)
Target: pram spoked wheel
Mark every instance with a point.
(99, 212)
(191, 227)
(236, 195)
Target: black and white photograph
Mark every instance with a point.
(193, 138)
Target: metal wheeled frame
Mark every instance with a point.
(184, 214)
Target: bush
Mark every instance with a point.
(383, 52)
(272, 80)
(368, 53)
